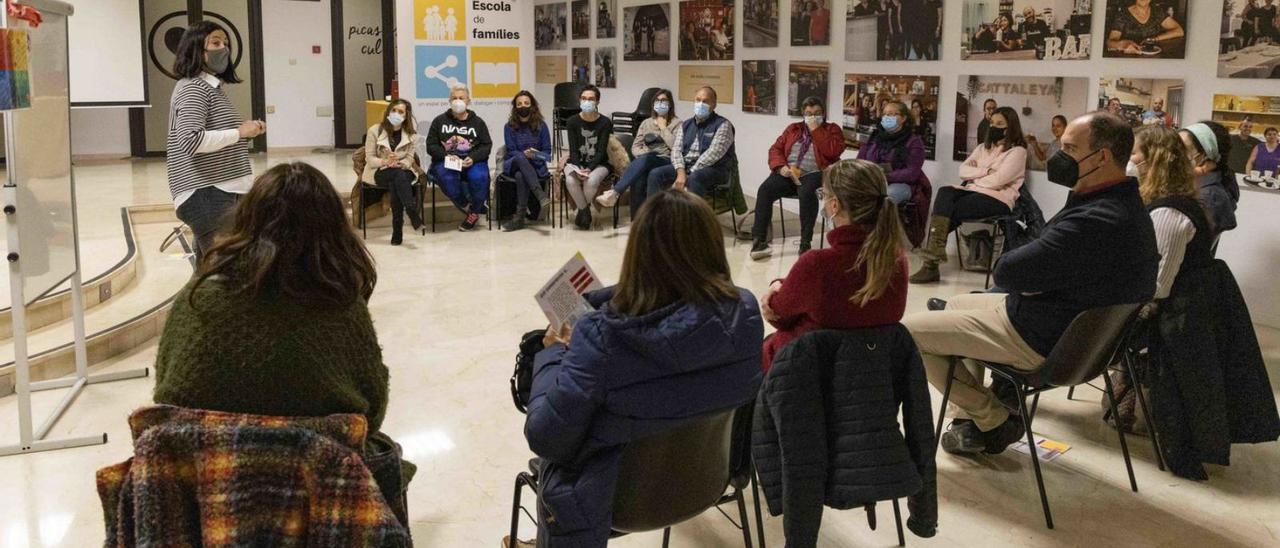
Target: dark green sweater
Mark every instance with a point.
(271, 356)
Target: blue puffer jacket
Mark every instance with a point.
(620, 378)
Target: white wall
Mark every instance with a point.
(100, 131)
(1253, 250)
(298, 82)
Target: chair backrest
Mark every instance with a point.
(1090, 344)
(675, 475)
(626, 140)
(566, 97)
(645, 108)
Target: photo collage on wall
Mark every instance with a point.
(706, 30)
(646, 33)
(1041, 106)
(760, 23)
(1146, 28)
(580, 10)
(1142, 101)
(1011, 30)
(807, 79)
(810, 22)
(884, 30)
(866, 94)
(1250, 44)
(1254, 123)
(549, 27)
(581, 65)
(606, 67)
(760, 87)
(606, 18)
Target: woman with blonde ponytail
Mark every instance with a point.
(861, 279)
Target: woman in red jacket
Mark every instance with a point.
(796, 161)
(861, 280)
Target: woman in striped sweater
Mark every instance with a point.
(1167, 181)
(207, 152)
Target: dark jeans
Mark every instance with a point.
(698, 182)
(777, 187)
(526, 177)
(638, 172)
(965, 205)
(400, 183)
(205, 212)
(474, 194)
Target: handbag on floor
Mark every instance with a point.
(522, 377)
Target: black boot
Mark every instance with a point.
(397, 227)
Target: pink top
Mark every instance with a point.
(995, 172)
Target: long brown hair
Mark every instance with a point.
(1168, 169)
(535, 112)
(863, 193)
(1012, 134)
(289, 236)
(407, 127)
(675, 253)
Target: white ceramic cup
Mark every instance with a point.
(1254, 174)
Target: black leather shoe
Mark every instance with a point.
(936, 304)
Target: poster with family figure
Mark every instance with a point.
(1011, 30)
(807, 79)
(760, 87)
(1146, 29)
(706, 30)
(646, 33)
(1142, 101)
(581, 65)
(760, 23)
(1253, 121)
(1041, 107)
(581, 15)
(1250, 44)
(606, 67)
(606, 18)
(865, 96)
(549, 27)
(893, 30)
(810, 22)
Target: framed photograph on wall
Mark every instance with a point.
(866, 94)
(760, 87)
(581, 65)
(760, 23)
(908, 30)
(581, 12)
(1015, 30)
(807, 79)
(1142, 101)
(606, 67)
(691, 78)
(810, 22)
(1253, 121)
(1146, 29)
(606, 18)
(1250, 44)
(1036, 101)
(646, 33)
(706, 30)
(549, 27)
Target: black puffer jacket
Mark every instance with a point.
(834, 396)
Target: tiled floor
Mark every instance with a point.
(449, 309)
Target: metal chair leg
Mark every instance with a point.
(1071, 392)
(666, 537)
(782, 220)
(1035, 455)
(364, 219)
(1124, 446)
(1035, 403)
(1136, 383)
(755, 492)
(946, 395)
(742, 517)
(897, 518)
(522, 479)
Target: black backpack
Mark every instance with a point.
(522, 377)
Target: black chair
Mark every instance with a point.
(675, 475)
(371, 193)
(998, 224)
(725, 189)
(629, 122)
(1090, 345)
(502, 182)
(565, 106)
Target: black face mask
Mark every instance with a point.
(523, 112)
(995, 134)
(1065, 170)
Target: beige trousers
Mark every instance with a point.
(973, 326)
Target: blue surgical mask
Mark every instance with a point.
(662, 108)
(587, 106)
(701, 110)
(889, 123)
(395, 118)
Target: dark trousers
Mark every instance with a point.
(698, 182)
(777, 187)
(526, 177)
(205, 212)
(400, 183)
(965, 205)
(638, 172)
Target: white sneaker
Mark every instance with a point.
(607, 199)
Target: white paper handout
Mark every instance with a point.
(453, 162)
(561, 298)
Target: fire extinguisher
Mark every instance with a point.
(395, 88)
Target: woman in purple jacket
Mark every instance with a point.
(898, 149)
(528, 145)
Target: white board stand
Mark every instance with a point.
(31, 439)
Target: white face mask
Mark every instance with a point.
(1132, 169)
(458, 106)
(814, 120)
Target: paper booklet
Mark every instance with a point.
(561, 298)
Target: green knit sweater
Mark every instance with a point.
(270, 356)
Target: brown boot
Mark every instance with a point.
(928, 273)
(934, 250)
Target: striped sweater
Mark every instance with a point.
(197, 108)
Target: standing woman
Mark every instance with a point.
(992, 176)
(207, 153)
(390, 151)
(651, 149)
(528, 146)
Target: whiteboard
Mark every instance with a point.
(107, 53)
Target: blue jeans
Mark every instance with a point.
(638, 172)
(476, 192)
(698, 182)
(900, 193)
